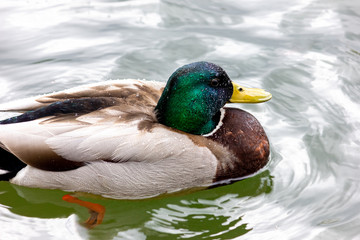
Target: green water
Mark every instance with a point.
(306, 53)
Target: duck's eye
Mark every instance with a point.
(241, 89)
(215, 82)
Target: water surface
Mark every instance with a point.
(306, 53)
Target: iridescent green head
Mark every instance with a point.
(194, 95)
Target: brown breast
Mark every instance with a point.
(242, 133)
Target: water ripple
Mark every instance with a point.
(305, 52)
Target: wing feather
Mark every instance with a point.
(127, 132)
(118, 150)
(112, 88)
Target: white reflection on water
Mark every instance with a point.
(183, 219)
(23, 227)
(45, 14)
(4, 87)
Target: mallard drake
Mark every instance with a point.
(135, 139)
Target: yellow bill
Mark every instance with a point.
(249, 95)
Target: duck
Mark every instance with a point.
(131, 139)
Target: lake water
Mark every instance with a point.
(305, 52)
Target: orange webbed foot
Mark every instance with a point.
(96, 211)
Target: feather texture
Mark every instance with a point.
(118, 150)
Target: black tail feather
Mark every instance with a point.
(10, 163)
